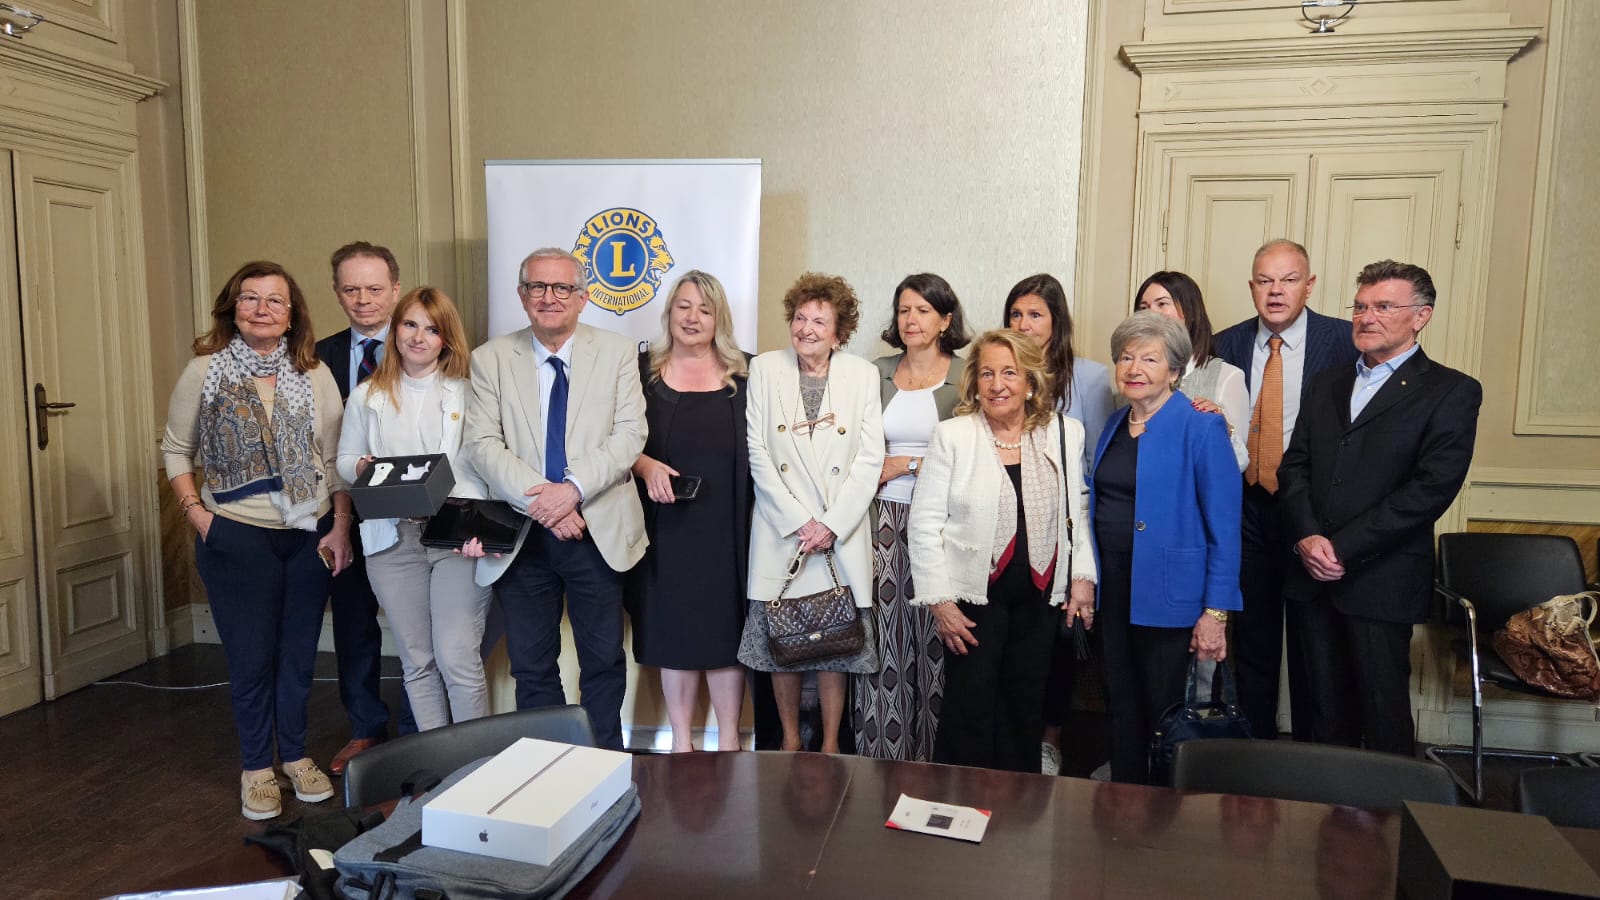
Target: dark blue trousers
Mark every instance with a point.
(267, 589)
(531, 593)
(358, 648)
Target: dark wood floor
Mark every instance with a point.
(111, 786)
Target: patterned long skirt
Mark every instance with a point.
(896, 711)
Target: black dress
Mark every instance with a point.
(687, 595)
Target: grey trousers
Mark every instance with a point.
(436, 614)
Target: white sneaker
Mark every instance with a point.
(1049, 759)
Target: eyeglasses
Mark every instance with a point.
(804, 428)
(1381, 310)
(274, 302)
(536, 289)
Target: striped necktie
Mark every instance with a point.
(369, 359)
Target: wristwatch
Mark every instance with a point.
(914, 464)
(1221, 615)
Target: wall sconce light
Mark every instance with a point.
(1324, 24)
(16, 22)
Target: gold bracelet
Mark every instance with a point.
(184, 509)
(340, 515)
(1221, 615)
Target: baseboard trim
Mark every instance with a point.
(1523, 723)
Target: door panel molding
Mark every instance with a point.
(91, 488)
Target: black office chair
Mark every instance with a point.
(1486, 578)
(1318, 773)
(1567, 797)
(375, 775)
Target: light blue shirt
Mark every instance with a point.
(1370, 380)
(356, 350)
(547, 379)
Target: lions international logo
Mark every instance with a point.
(625, 256)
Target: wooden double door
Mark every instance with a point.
(77, 448)
(1351, 202)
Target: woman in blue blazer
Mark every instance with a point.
(1165, 500)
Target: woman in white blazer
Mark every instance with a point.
(1211, 383)
(436, 600)
(997, 546)
(815, 428)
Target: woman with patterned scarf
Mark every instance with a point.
(251, 444)
(994, 553)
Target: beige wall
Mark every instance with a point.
(153, 49)
(305, 118)
(896, 137)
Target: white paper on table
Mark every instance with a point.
(964, 823)
(278, 889)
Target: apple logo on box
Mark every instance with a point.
(483, 836)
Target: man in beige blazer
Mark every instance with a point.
(555, 421)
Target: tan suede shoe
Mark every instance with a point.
(309, 783)
(259, 796)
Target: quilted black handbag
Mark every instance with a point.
(815, 626)
(1192, 720)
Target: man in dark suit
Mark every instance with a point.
(1381, 450)
(1279, 350)
(366, 281)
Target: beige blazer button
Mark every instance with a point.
(781, 429)
(835, 470)
(783, 467)
(455, 416)
(841, 429)
(1138, 526)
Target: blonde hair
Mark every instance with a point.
(1039, 404)
(455, 357)
(728, 353)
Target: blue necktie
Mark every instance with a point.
(555, 426)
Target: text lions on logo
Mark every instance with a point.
(625, 256)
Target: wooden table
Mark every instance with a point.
(773, 825)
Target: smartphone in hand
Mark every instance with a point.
(326, 554)
(685, 487)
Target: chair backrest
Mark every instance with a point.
(1568, 796)
(1317, 773)
(375, 775)
(1504, 574)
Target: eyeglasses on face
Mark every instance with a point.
(537, 289)
(274, 302)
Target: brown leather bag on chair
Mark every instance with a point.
(1548, 646)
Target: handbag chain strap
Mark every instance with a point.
(794, 570)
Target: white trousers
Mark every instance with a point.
(436, 614)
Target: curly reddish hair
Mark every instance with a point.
(829, 289)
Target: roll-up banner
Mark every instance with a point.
(636, 225)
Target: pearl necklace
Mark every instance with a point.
(1005, 446)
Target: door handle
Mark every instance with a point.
(41, 410)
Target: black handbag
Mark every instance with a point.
(815, 626)
(1192, 721)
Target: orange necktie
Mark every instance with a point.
(1266, 423)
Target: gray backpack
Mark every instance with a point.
(390, 862)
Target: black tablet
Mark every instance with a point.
(493, 523)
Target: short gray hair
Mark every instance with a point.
(1153, 326)
(555, 253)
